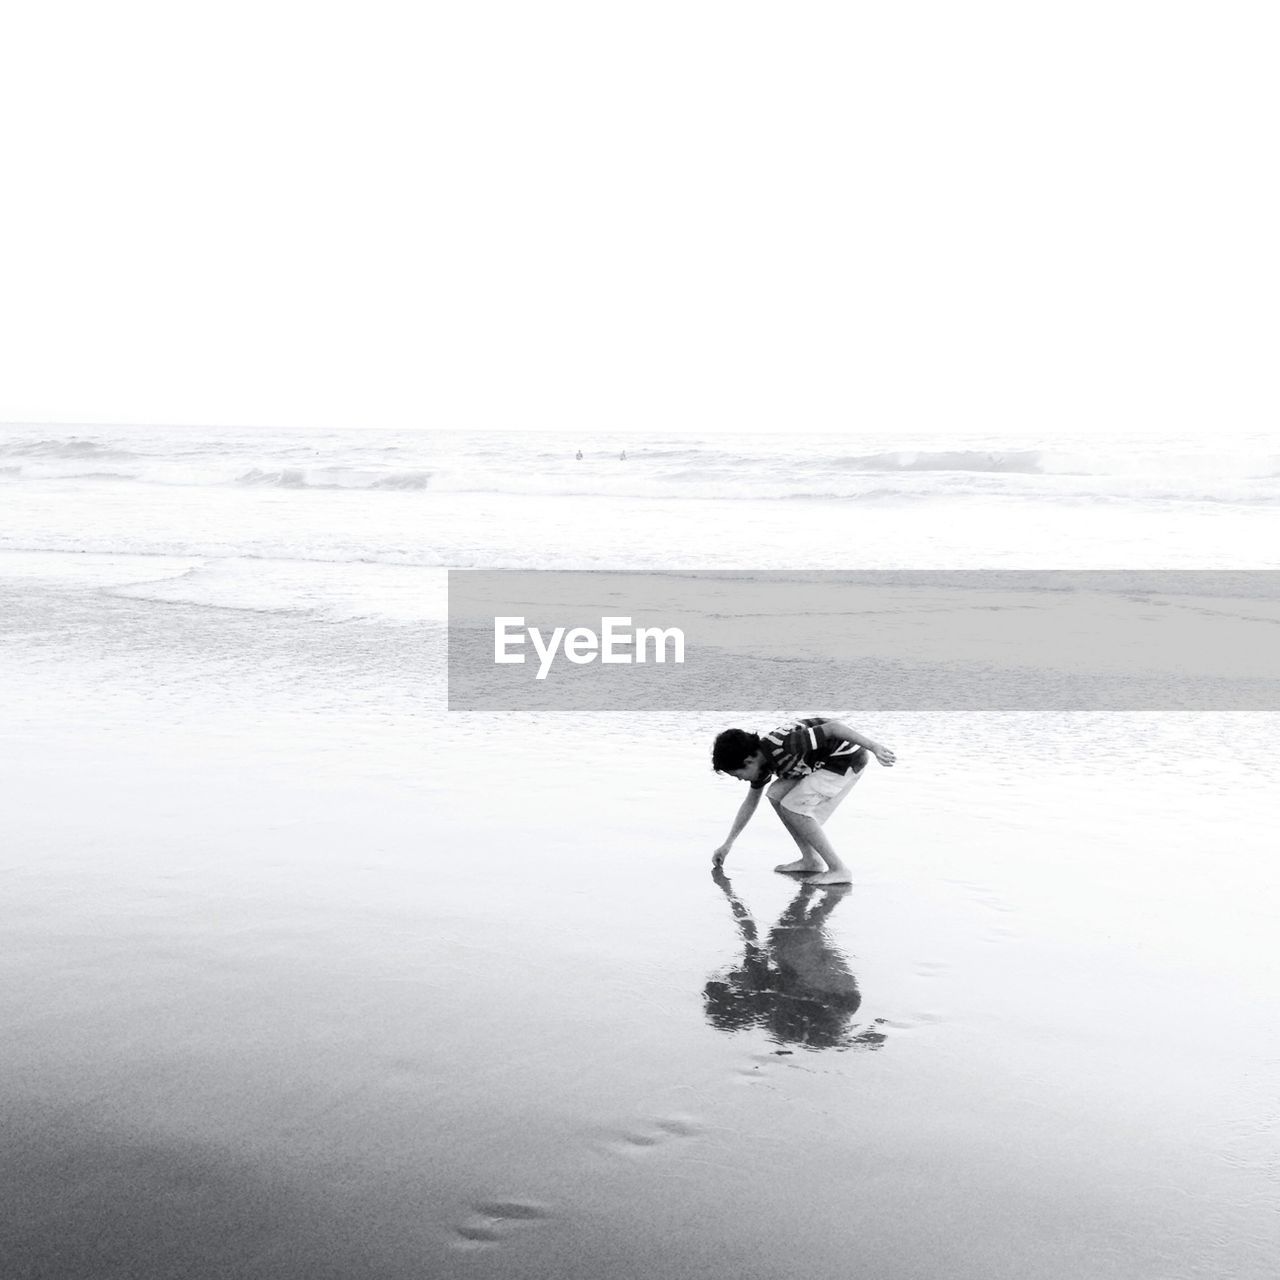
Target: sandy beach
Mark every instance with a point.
(307, 977)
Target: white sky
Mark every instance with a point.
(661, 216)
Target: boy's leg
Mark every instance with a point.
(803, 812)
(809, 859)
(809, 830)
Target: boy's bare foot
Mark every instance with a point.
(833, 877)
(801, 866)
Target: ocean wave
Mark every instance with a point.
(335, 478)
(805, 481)
(1022, 461)
(73, 448)
(402, 480)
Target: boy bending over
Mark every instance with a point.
(815, 763)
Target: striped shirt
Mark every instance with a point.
(800, 747)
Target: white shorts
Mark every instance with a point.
(816, 794)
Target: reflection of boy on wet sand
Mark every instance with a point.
(816, 763)
(798, 986)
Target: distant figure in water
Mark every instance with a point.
(622, 457)
(816, 763)
(797, 985)
(579, 455)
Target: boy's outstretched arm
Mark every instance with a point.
(839, 729)
(745, 810)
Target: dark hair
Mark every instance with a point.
(732, 748)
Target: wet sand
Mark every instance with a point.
(301, 997)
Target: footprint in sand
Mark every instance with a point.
(493, 1221)
(633, 1142)
(1001, 933)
